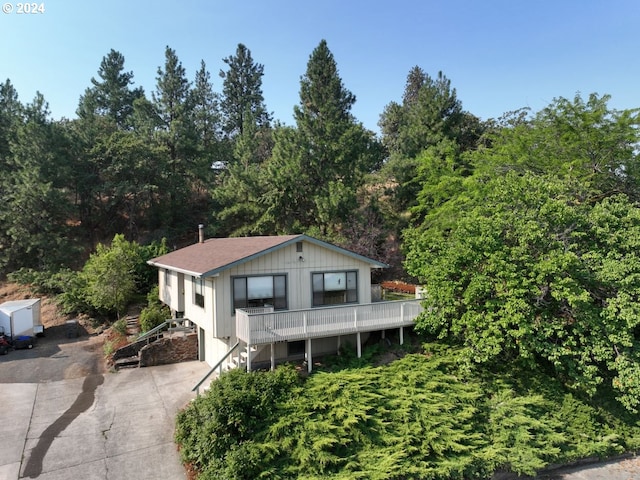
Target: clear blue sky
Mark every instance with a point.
(499, 55)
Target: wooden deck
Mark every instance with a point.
(264, 326)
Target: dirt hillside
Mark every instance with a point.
(49, 312)
(51, 315)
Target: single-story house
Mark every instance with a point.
(275, 298)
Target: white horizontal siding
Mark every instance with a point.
(298, 267)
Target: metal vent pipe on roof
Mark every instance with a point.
(201, 233)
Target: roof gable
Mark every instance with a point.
(218, 254)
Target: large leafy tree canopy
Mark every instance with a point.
(534, 256)
(571, 138)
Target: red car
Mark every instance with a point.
(4, 346)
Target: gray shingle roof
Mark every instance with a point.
(217, 254)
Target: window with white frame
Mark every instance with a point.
(260, 291)
(334, 288)
(167, 277)
(198, 291)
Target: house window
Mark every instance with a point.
(198, 291)
(299, 247)
(167, 278)
(334, 288)
(260, 291)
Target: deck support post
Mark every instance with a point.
(339, 343)
(401, 335)
(248, 357)
(273, 357)
(383, 333)
(359, 345)
(309, 356)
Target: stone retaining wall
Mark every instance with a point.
(130, 350)
(174, 349)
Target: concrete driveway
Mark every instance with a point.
(94, 425)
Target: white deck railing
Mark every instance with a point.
(257, 327)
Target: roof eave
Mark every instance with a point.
(173, 268)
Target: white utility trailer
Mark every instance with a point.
(21, 318)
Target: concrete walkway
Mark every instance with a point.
(112, 426)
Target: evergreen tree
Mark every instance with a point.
(207, 123)
(242, 92)
(237, 196)
(177, 135)
(317, 168)
(34, 206)
(430, 117)
(111, 96)
(242, 175)
(10, 116)
(206, 110)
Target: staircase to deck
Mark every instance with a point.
(226, 363)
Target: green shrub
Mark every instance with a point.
(120, 326)
(420, 417)
(152, 316)
(239, 407)
(154, 313)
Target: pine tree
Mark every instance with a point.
(111, 96)
(317, 168)
(10, 115)
(207, 124)
(429, 119)
(173, 107)
(237, 197)
(242, 92)
(34, 206)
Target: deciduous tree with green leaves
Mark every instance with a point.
(109, 276)
(530, 261)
